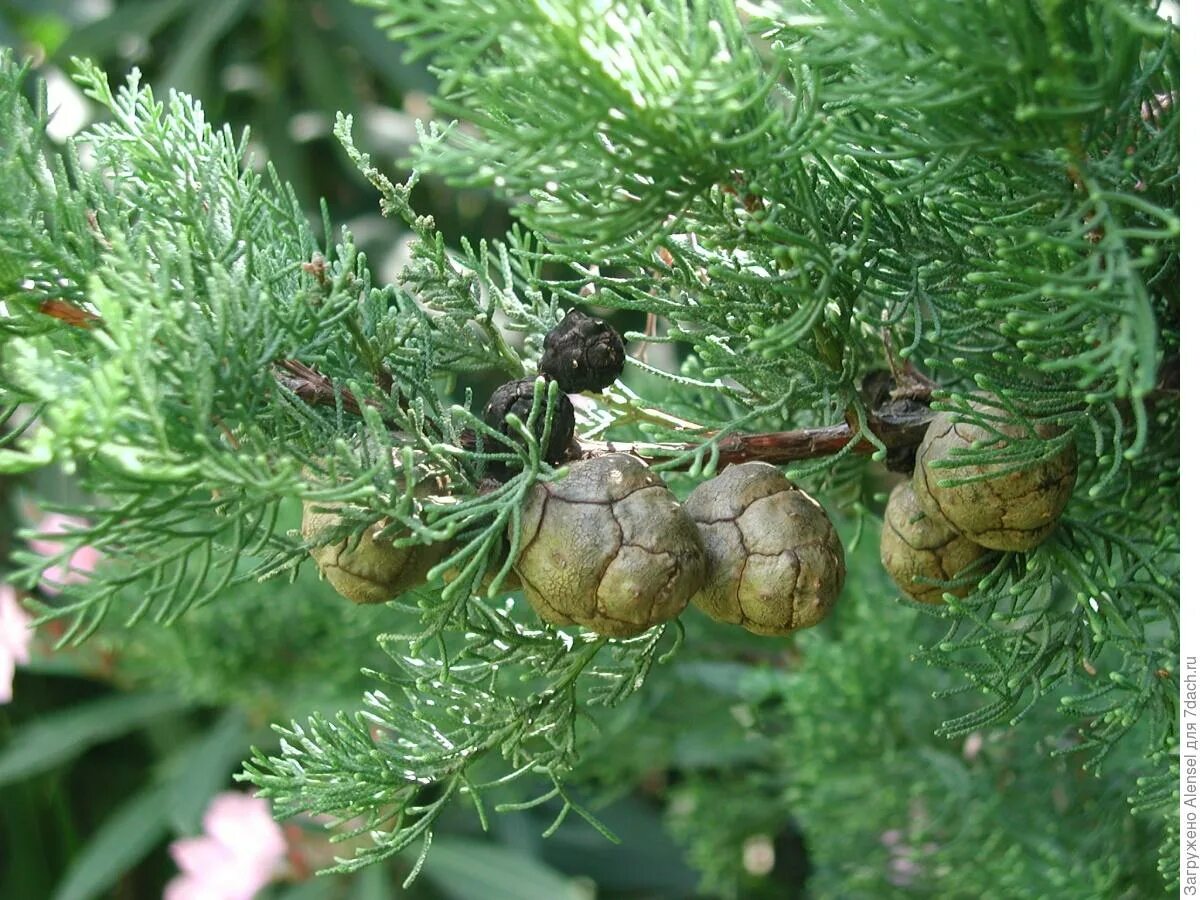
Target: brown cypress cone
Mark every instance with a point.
(607, 547)
(1004, 509)
(366, 568)
(516, 397)
(776, 562)
(582, 353)
(917, 550)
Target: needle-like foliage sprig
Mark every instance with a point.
(989, 191)
(201, 303)
(782, 198)
(508, 692)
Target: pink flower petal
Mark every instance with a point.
(199, 856)
(15, 633)
(44, 548)
(54, 579)
(54, 523)
(15, 637)
(233, 882)
(7, 669)
(226, 883)
(228, 808)
(243, 824)
(238, 854)
(84, 560)
(214, 869)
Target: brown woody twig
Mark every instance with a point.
(898, 423)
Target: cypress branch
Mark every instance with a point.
(792, 199)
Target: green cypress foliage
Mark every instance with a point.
(790, 195)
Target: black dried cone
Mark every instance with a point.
(583, 353)
(775, 560)
(516, 397)
(915, 550)
(1002, 510)
(608, 547)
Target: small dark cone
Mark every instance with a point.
(583, 353)
(516, 397)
